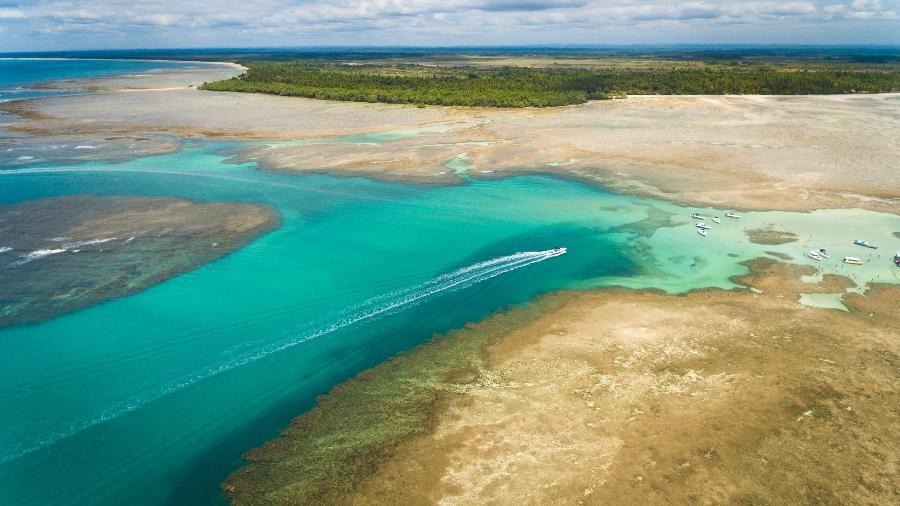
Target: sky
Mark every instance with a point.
(42, 25)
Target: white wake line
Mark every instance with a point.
(70, 170)
(453, 281)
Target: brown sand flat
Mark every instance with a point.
(769, 236)
(621, 397)
(752, 152)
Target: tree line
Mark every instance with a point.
(530, 87)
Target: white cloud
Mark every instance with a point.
(280, 22)
(7, 13)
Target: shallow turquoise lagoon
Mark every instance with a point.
(152, 398)
(17, 75)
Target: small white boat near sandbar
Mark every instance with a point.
(716, 219)
(852, 261)
(697, 216)
(702, 231)
(732, 215)
(702, 226)
(814, 255)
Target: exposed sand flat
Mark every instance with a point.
(754, 152)
(619, 397)
(169, 102)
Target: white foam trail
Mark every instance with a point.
(78, 244)
(4, 249)
(375, 307)
(69, 246)
(34, 255)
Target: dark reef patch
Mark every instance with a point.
(63, 254)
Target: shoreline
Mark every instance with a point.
(415, 462)
(467, 377)
(735, 151)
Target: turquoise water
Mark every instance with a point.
(157, 395)
(152, 398)
(16, 75)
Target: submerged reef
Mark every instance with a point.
(62, 254)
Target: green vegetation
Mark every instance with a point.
(327, 451)
(539, 87)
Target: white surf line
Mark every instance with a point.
(393, 303)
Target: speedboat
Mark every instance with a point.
(558, 251)
(716, 219)
(823, 253)
(864, 244)
(702, 226)
(732, 215)
(852, 261)
(701, 231)
(697, 216)
(814, 255)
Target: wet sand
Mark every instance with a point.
(743, 152)
(59, 255)
(628, 397)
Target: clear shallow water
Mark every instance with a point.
(16, 75)
(157, 395)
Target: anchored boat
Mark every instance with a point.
(697, 216)
(852, 261)
(864, 244)
(732, 215)
(702, 226)
(814, 255)
(716, 219)
(702, 231)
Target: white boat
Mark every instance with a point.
(701, 231)
(732, 215)
(702, 226)
(558, 251)
(716, 219)
(852, 261)
(697, 216)
(823, 253)
(814, 255)
(864, 244)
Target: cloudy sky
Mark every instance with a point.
(88, 24)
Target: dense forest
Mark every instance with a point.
(537, 87)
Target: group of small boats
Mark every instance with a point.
(821, 254)
(703, 228)
(816, 254)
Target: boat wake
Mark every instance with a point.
(371, 309)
